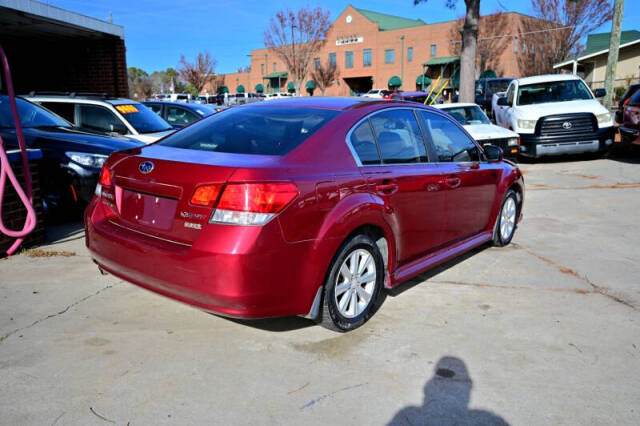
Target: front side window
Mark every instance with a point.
(95, 117)
(399, 137)
(451, 143)
(65, 110)
(348, 59)
(242, 130)
(389, 56)
(364, 144)
(510, 93)
(410, 54)
(553, 91)
(332, 59)
(366, 58)
(31, 115)
(433, 50)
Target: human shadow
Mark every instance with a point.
(446, 400)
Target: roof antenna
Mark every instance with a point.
(110, 17)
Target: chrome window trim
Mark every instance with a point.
(354, 154)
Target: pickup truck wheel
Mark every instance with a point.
(353, 285)
(505, 225)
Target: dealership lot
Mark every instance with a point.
(544, 331)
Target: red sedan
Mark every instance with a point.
(307, 207)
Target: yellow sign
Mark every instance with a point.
(126, 109)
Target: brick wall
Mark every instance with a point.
(14, 213)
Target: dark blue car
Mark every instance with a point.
(72, 159)
(180, 114)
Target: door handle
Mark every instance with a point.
(453, 181)
(387, 188)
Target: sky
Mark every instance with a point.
(158, 32)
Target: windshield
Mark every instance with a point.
(242, 130)
(142, 118)
(31, 115)
(553, 91)
(468, 115)
(497, 86)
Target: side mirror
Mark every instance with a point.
(479, 92)
(502, 101)
(601, 92)
(493, 153)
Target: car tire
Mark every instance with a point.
(506, 222)
(349, 309)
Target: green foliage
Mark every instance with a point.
(190, 88)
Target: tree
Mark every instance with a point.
(325, 75)
(296, 37)
(468, 50)
(558, 32)
(199, 73)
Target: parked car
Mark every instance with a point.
(630, 126)
(207, 99)
(180, 97)
(622, 102)
(555, 114)
(418, 97)
(179, 115)
(486, 88)
(475, 121)
(278, 95)
(376, 93)
(309, 206)
(72, 159)
(105, 115)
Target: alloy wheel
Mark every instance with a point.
(355, 283)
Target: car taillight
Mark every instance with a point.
(103, 180)
(253, 203)
(626, 101)
(206, 195)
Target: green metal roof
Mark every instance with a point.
(395, 81)
(443, 60)
(390, 22)
(600, 41)
(277, 74)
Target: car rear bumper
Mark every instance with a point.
(538, 146)
(629, 135)
(242, 272)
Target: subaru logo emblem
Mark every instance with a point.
(145, 167)
(567, 125)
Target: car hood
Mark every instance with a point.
(534, 112)
(489, 131)
(148, 138)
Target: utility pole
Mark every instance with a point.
(614, 45)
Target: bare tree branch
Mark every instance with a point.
(325, 76)
(199, 73)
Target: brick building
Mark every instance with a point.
(376, 50)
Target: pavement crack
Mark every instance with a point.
(76, 303)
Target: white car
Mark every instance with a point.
(278, 95)
(376, 93)
(109, 116)
(555, 114)
(476, 122)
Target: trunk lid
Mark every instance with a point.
(152, 190)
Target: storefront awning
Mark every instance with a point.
(277, 74)
(422, 79)
(240, 88)
(395, 81)
(291, 86)
(444, 60)
(259, 88)
(223, 89)
(310, 85)
(488, 74)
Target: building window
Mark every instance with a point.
(524, 47)
(316, 63)
(515, 44)
(332, 59)
(274, 67)
(532, 49)
(366, 58)
(410, 54)
(389, 56)
(433, 50)
(348, 59)
(262, 69)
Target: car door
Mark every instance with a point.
(391, 150)
(469, 182)
(501, 111)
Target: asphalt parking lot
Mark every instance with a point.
(544, 331)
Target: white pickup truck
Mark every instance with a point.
(554, 114)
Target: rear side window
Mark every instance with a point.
(451, 143)
(63, 109)
(364, 144)
(399, 137)
(258, 130)
(180, 116)
(155, 108)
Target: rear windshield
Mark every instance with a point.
(261, 130)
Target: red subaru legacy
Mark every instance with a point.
(307, 207)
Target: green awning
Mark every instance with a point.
(291, 86)
(223, 89)
(277, 74)
(444, 60)
(423, 79)
(259, 88)
(395, 81)
(488, 74)
(240, 88)
(310, 85)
